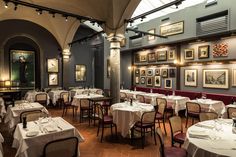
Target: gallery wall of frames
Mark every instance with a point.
(201, 66)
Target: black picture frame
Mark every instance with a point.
(203, 51)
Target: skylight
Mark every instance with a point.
(147, 5)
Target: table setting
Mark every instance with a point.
(211, 138)
(30, 140)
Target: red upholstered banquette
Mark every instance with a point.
(190, 94)
(227, 99)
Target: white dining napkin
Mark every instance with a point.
(198, 134)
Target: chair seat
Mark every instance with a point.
(144, 125)
(175, 152)
(159, 116)
(107, 119)
(194, 114)
(180, 137)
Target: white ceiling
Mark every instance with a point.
(147, 5)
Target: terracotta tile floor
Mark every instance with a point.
(110, 147)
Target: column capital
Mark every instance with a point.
(115, 37)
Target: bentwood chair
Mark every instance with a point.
(67, 147)
(66, 103)
(32, 115)
(147, 124)
(161, 108)
(99, 91)
(41, 98)
(169, 151)
(104, 120)
(230, 110)
(177, 134)
(123, 96)
(140, 98)
(203, 116)
(193, 110)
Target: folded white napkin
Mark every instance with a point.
(203, 125)
(198, 134)
(50, 128)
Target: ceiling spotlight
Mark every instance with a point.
(142, 18)
(6, 5)
(53, 15)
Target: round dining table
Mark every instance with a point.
(212, 138)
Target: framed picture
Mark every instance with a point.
(172, 29)
(137, 71)
(172, 72)
(157, 72)
(161, 56)
(203, 51)
(151, 37)
(149, 72)
(171, 55)
(152, 57)
(53, 65)
(137, 58)
(53, 79)
(22, 68)
(157, 81)
(234, 77)
(168, 83)
(189, 54)
(216, 78)
(164, 73)
(143, 72)
(220, 50)
(149, 81)
(142, 80)
(136, 80)
(80, 72)
(190, 77)
(143, 57)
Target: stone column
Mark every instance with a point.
(115, 67)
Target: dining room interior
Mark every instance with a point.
(117, 78)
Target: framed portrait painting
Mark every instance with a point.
(157, 72)
(142, 57)
(149, 72)
(190, 77)
(157, 81)
(203, 51)
(80, 72)
(164, 73)
(53, 79)
(142, 80)
(171, 55)
(149, 81)
(137, 71)
(168, 83)
(216, 78)
(152, 57)
(234, 77)
(142, 72)
(53, 65)
(189, 54)
(172, 72)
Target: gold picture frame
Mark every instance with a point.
(203, 51)
(53, 79)
(190, 77)
(168, 83)
(80, 72)
(53, 65)
(189, 54)
(172, 29)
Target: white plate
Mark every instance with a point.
(32, 133)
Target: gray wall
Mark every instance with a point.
(47, 44)
(126, 74)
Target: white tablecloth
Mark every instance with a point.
(124, 115)
(3, 110)
(30, 96)
(177, 102)
(80, 91)
(211, 139)
(210, 105)
(152, 96)
(33, 146)
(131, 93)
(13, 113)
(1, 149)
(76, 100)
(55, 95)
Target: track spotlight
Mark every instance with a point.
(66, 18)
(6, 5)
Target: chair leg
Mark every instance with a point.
(111, 130)
(154, 131)
(186, 122)
(143, 137)
(132, 136)
(98, 128)
(192, 120)
(164, 125)
(102, 132)
(116, 130)
(73, 110)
